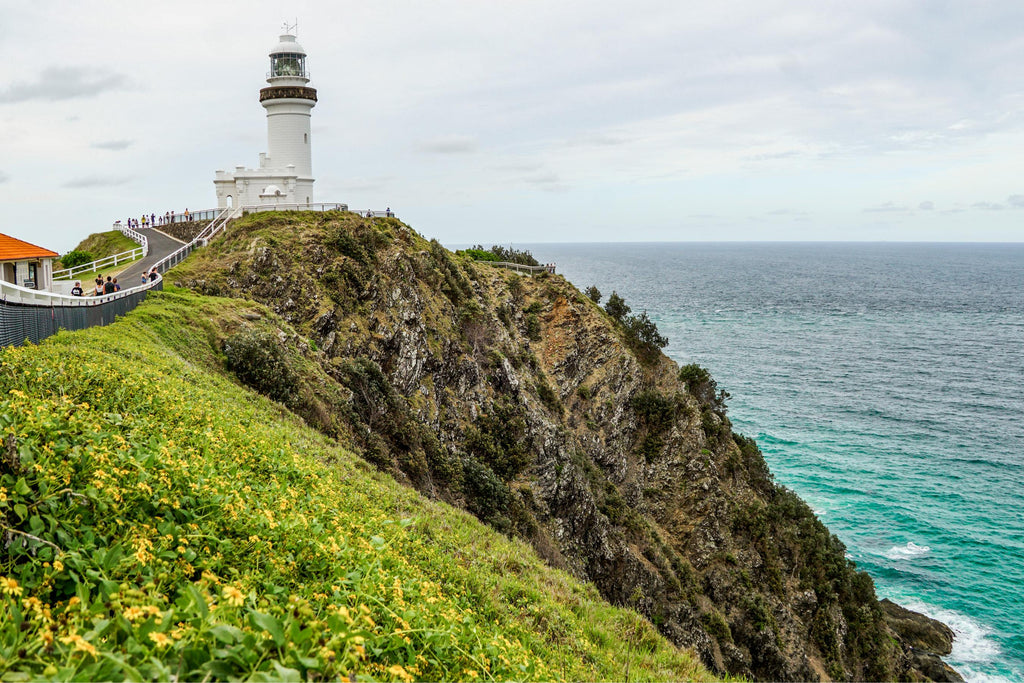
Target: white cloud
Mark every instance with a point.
(449, 144)
(63, 83)
(888, 207)
(113, 145)
(91, 182)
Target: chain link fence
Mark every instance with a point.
(20, 323)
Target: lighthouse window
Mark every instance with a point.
(288, 65)
(305, 138)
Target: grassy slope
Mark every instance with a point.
(103, 244)
(204, 531)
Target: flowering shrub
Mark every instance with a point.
(163, 522)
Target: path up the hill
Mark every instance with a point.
(160, 245)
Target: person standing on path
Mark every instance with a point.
(77, 289)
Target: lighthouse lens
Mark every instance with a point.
(288, 65)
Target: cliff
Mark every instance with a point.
(160, 522)
(525, 403)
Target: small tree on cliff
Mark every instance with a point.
(617, 307)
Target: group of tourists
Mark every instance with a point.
(153, 220)
(102, 287)
(110, 285)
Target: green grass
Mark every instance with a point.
(103, 244)
(167, 522)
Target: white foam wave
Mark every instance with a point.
(974, 650)
(905, 552)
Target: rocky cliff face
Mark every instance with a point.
(524, 402)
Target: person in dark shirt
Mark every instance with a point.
(108, 286)
(153, 275)
(77, 289)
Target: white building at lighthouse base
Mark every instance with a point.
(252, 186)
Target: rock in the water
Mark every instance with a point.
(917, 630)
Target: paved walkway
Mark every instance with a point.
(160, 245)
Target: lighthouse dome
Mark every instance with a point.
(287, 45)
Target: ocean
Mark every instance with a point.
(884, 383)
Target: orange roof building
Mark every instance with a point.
(25, 264)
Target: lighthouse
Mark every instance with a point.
(285, 171)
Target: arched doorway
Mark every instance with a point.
(231, 202)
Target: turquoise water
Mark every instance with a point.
(885, 384)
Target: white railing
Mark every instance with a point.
(217, 224)
(520, 268)
(156, 220)
(319, 206)
(133, 235)
(14, 294)
(123, 257)
(323, 206)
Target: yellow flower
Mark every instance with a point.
(400, 672)
(58, 565)
(133, 613)
(80, 643)
(10, 586)
(160, 639)
(233, 596)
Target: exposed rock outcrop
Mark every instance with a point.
(524, 402)
(925, 640)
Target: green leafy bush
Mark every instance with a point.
(643, 335)
(477, 254)
(656, 414)
(548, 396)
(498, 438)
(500, 253)
(593, 293)
(702, 385)
(258, 359)
(76, 257)
(533, 327)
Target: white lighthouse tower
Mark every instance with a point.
(285, 172)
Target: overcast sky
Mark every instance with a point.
(521, 122)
